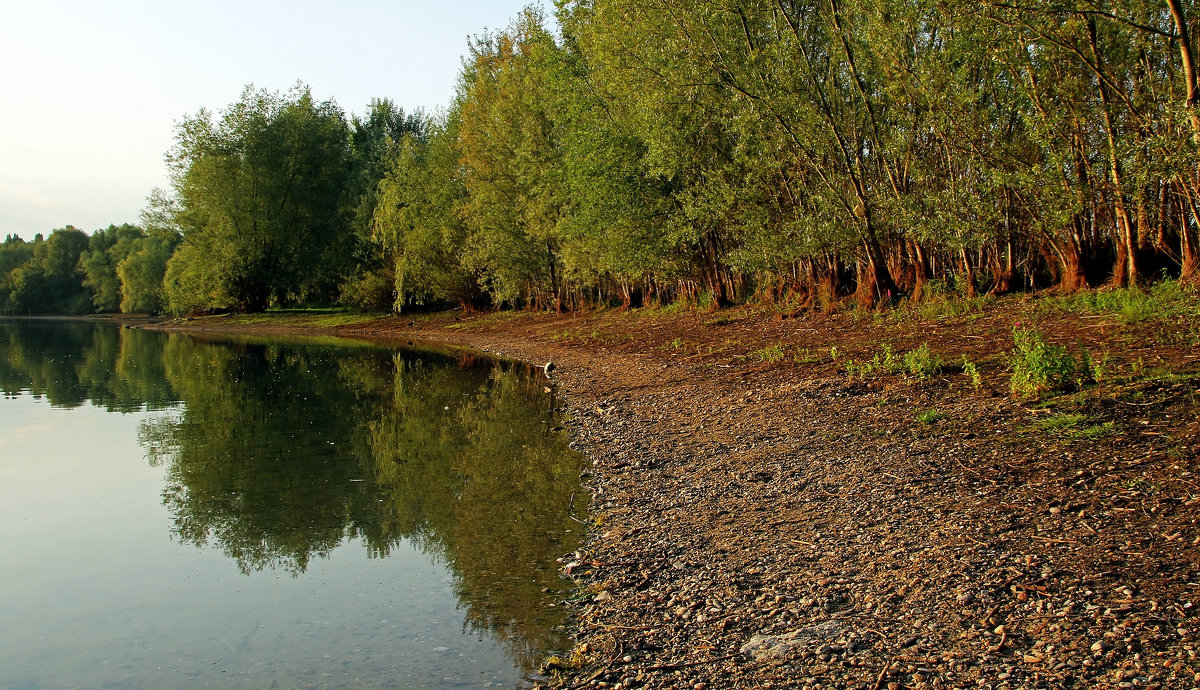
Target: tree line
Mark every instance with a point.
(718, 152)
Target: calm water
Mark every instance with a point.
(178, 512)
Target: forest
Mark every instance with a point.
(629, 152)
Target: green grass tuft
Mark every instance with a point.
(930, 416)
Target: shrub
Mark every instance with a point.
(921, 363)
(1039, 367)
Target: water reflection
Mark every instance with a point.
(278, 453)
(71, 363)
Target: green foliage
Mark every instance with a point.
(511, 163)
(369, 280)
(972, 372)
(770, 354)
(914, 154)
(1075, 426)
(930, 416)
(418, 221)
(937, 301)
(919, 364)
(106, 249)
(1040, 368)
(1166, 300)
(142, 274)
(191, 285)
(48, 278)
(1059, 422)
(14, 253)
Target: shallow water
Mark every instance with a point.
(178, 512)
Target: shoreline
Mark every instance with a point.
(765, 523)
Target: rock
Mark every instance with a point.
(777, 647)
(602, 597)
(768, 647)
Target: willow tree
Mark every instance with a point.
(674, 123)
(768, 117)
(370, 276)
(106, 249)
(50, 280)
(511, 163)
(259, 192)
(418, 221)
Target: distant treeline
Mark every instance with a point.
(708, 151)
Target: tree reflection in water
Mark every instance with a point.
(280, 452)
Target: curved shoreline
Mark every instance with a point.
(774, 524)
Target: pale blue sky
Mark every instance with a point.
(91, 90)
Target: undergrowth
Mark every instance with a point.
(1164, 301)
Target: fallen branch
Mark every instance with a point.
(883, 674)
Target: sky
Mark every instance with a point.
(91, 91)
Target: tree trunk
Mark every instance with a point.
(1189, 270)
(1073, 277)
(1189, 253)
(1003, 274)
(875, 284)
(1189, 65)
(920, 269)
(968, 271)
(1125, 271)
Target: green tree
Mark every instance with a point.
(14, 253)
(418, 221)
(511, 163)
(258, 193)
(51, 282)
(106, 249)
(141, 273)
(370, 281)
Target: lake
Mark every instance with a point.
(183, 511)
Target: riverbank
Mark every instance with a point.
(762, 518)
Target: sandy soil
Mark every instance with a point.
(762, 519)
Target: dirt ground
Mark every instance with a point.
(763, 519)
